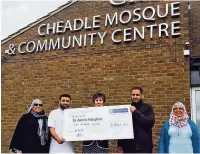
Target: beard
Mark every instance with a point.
(64, 106)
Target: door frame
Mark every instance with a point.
(193, 103)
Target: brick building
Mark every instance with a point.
(84, 47)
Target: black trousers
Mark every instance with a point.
(133, 148)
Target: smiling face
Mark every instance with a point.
(136, 95)
(98, 101)
(178, 111)
(65, 102)
(37, 106)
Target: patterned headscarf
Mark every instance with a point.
(178, 121)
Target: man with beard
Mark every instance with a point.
(143, 120)
(55, 124)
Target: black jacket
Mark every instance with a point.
(143, 121)
(25, 137)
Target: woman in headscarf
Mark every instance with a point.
(179, 134)
(31, 134)
(96, 146)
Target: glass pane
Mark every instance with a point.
(197, 101)
(195, 78)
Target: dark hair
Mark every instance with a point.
(65, 95)
(138, 88)
(99, 94)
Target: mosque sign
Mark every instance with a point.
(100, 24)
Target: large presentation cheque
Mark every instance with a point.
(98, 123)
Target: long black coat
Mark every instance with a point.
(143, 121)
(25, 137)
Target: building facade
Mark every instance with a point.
(85, 47)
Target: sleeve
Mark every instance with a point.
(161, 140)
(147, 120)
(17, 139)
(47, 145)
(198, 140)
(51, 119)
(196, 132)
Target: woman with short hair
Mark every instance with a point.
(97, 146)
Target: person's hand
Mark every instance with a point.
(132, 108)
(60, 140)
(119, 149)
(19, 152)
(16, 151)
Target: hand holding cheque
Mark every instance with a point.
(98, 123)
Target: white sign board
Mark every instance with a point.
(98, 123)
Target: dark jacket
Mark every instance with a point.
(163, 146)
(25, 137)
(143, 121)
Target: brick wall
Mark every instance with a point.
(157, 65)
(194, 31)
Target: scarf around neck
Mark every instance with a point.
(43, 130)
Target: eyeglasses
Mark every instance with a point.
(38, 105)
(178, 108)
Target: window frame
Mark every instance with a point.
(193, 103)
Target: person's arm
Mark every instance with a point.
(161, 143)
(197, 136)
(55, 136)
(147, 120)
(16, 142)
(198, 139)
(52, 126)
